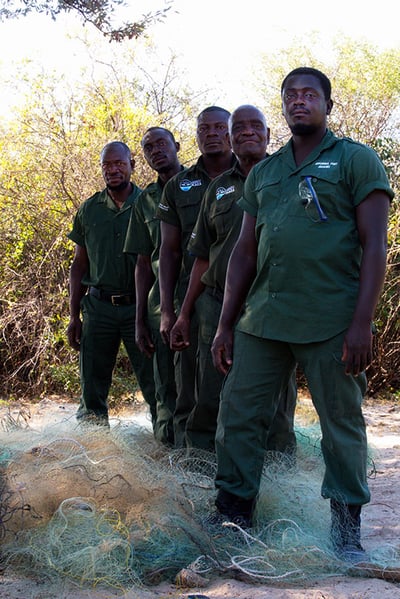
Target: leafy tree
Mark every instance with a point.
(384, 373)
(365, 86)
(99, 13)
(49, 163)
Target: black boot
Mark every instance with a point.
(346, 533)
(232, 508)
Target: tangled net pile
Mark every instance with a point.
(115, 508)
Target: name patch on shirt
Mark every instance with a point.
(186, 184)
(325, 164)
(223, 191)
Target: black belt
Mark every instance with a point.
(215, 292)
(116, 299)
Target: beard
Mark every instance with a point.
(303, 129)
(120, 187)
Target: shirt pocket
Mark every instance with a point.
(188, 211)
(96, 230)
(268, 197)
(223, 215)
(331, 191)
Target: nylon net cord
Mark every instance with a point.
(116, 509)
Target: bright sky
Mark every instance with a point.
(223, 38)
(218, 40)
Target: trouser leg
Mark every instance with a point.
(281, 436)
(164, 378)
(100, 341)
(141, 364)
(185, 368)
(338, 398)
(202, 421)
(250, 395)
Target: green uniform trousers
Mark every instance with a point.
(165, 387)
(202, 422)
(185, 369)
(260, 371)
(104, 327)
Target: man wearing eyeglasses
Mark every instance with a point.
(311, 260)
(102, 287)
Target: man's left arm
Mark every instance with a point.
(372, 221)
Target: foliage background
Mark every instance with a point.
(49, 163)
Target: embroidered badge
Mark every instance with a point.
(222, 191)
(186, 184)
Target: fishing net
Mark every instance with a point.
(117, 509)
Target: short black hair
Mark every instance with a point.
(120, 144)
(214, 109)
(323, 79)
(159, 129)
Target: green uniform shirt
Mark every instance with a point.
(180, 205)
(101, 227)
(218, 225)
(143, 235)
(307, 278)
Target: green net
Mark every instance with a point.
(115, 508)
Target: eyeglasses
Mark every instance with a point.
(310, 201)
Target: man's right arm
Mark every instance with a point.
(144, 279)
(180, 333)
(241, 271)
(79, 266)
(169, 267)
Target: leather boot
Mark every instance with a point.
(346, 531)
(235, 509)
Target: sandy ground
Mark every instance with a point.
(381, 525)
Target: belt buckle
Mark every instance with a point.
(115, 298)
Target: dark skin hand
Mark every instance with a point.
(240, 275)
(144, 279)
(180, 332)
(169, 267)
(144, 340)
(79, 267)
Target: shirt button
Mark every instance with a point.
(275, 229)
(273, 295)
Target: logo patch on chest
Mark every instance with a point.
(223, 191)
(186, 184)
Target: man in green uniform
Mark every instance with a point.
(311, 260)
(143, 239)
(178, 210)
(102, 285)
(214, 236)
